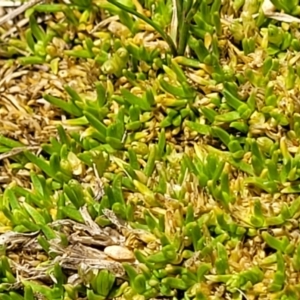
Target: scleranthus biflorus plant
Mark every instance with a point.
(150, 150)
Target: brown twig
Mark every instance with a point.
(18, 11)
(16, 151)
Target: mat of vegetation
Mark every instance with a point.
(150, 150)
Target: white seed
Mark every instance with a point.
(119, 253)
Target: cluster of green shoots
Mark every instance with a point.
(189, 149)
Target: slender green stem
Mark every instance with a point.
(180, 15)
(184, 25)
(165, 36)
